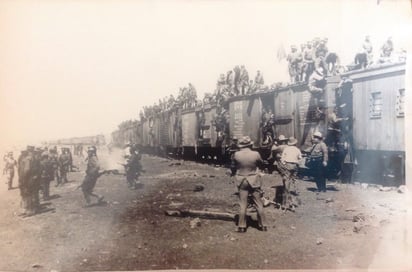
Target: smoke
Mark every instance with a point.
(111, 160)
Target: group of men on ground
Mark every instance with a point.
(38, 167)
(286, 157)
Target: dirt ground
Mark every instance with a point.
(131, 232)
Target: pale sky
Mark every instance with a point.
(79, 68)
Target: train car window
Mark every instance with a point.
(400, 103)
(375, 105)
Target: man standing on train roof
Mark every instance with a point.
(244, 79)
(245, 164)
(386, 51)
(11, 164)
(320, 54)
(230, 80)
(92, 174)
(368, 49)
(308, 61)
(295, 59)
(259, 81)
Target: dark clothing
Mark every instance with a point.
(133, 168)
(319, 155)
(92, 174)
(46, 176)
(64, 165)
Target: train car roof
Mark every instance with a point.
(376, 70)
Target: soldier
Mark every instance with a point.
(244, 79)
(277, 149)
(236, 80)
(133, 167)
(46, 174)
(35, 183)
(230, 80)
(334, 129)
(221, 83)
(368, 49)
(25, 163)
(318, 156)
(320, 53)
(295, 60)
(317, 83)
(54, 159)
(92, 174)
(232, 149)
(289, 165)
(64, 165)
(248, 182)
(308, 62)
(10, 167)
(387, 48)
(259, 81)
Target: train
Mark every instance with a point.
(369, 144)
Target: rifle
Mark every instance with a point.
(104, 172)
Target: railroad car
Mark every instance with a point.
(369, 142)
(378, 96)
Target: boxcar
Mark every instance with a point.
(378, 124)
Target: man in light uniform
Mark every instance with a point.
(245, 163)
(10, 167)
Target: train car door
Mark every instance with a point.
(245, 116)
(284, 109)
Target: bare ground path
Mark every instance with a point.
(131, 232)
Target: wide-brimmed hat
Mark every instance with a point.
(292, 141)
(91, 149)
(282, 138)
(245, 142)
(318, 135)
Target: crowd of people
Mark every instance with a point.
(286, 158)
(314, 54)
(38, 167)
(311, 62)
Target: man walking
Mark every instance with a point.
(92, 174)
(248, 182)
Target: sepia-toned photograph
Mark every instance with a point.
(200, 135)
